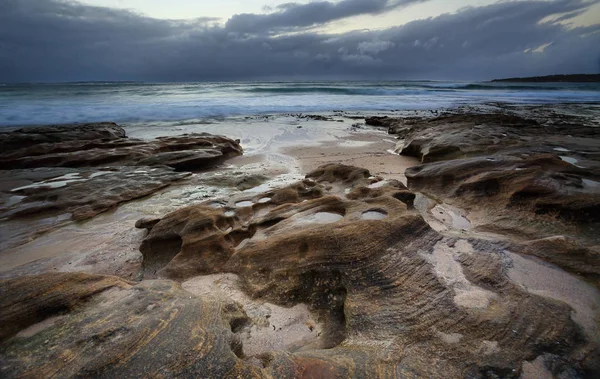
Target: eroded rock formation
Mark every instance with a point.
(335, 276)
(534, 183)
(186, 152)
(78, 171)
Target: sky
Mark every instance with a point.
(187, 40)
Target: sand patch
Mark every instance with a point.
(545, 280)
(444, 259)
(370, 153)
(272, 327)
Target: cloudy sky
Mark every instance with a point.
(194, 40)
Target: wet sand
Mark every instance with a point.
(370, 149)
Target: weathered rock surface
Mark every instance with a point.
(74, 172)
(341, 265)
(540, 184)
(71, 325)
(468, 135)
(75, 196)
(87, 193)
(187, 152)
(514, 178)
(341, 274)
(28, 137)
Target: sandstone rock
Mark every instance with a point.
(392, 294)
(187, 152)
(77, 195)
(349, 263)
(73, 325)
(565, 252)
(514, 179)
(147, 223)
(26, 137)
(56, 173)
(87, 193)
(29, 300)
(539, 183)
(469, 135)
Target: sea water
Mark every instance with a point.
(34, 104)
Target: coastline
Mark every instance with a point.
(323, 199)
(277, 152)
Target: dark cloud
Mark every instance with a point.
(292, 15)
(49, 40)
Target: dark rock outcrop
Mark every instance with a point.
(78, 171)
(187, 152)
(516, 178)
(458, 136)
(87, 193)
(28, 137)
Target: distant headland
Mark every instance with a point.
(573, 78)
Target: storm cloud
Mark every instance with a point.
(51, 40)
(292, 15)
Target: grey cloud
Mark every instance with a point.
(46, 40)
(293, 15)
(374, 47)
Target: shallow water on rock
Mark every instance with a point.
(326, 217)
(374, 215)
(591, 183)
(319, 218)
(569, 160)
(543, 279)
(244, 204)
(450, 217)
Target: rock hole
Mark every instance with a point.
(157, 253)
(303, 250)
(271, 222)
(236, 345)
(406, 197)
(238, 323)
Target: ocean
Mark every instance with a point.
(35, 104)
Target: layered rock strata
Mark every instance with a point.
(337, 275)
(74, 172)
(531, 180)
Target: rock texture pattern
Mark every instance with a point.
(485, 266)
(78, 171)
(341, 264)
(535, 182)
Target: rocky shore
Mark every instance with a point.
(481, 260)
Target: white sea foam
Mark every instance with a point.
(207, 102)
